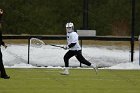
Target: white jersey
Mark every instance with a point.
(72, 37)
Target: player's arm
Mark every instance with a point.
(2, 43)
(71, 45)
(74, 38)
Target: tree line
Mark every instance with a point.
(107, 17)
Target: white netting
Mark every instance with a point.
(35, 42)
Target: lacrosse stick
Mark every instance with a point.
(35, 42)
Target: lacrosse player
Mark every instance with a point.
(74, 49)
(2, 69)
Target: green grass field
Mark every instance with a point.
(44, 80)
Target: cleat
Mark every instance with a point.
(64, 73)
(95, 68)
(5, 77)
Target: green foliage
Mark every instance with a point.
(108, 17)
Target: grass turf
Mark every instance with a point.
(42, 80)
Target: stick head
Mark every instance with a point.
(35, 42)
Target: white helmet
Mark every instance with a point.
(70, 27)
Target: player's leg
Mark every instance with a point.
(81, 59)
(2, 69)
(67, 56)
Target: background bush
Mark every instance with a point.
(107, 17)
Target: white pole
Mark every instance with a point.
(139, 49)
